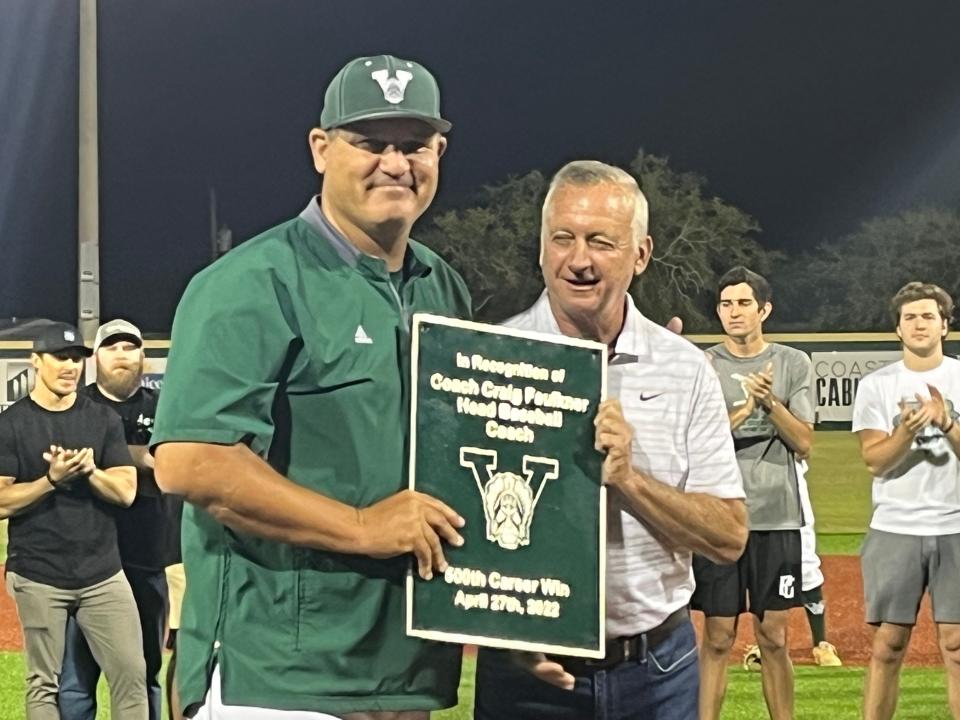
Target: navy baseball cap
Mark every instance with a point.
(57, 337)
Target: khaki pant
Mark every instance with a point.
(107, 616)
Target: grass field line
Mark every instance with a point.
(821, 694)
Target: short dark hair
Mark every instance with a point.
(758, 283)
(913, 291)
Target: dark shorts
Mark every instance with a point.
(766, 577)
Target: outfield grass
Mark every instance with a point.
(845, 544)
(835, 694)
(12, 689)
(839, 484)
(821, 694)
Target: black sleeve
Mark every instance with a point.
(9, 465)
(115, 451)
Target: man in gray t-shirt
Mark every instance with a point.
(767, 462)
(767, 391)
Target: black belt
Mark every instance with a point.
(741, 443)
(623, 649)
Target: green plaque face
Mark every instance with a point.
(503, 433)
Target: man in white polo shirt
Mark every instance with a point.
(905, 417)
(670, 465)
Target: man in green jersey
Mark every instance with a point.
(283, 423)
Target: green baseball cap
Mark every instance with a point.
(382, 86)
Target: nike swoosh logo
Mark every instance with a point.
(649, 396)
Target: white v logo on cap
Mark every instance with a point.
(361, 338)
(393, 87)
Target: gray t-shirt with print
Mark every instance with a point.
(766, 462)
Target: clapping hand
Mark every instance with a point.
(64, 464)
(916, 415)
(938, 407)
(759, 386)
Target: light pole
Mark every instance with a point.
(88, 215)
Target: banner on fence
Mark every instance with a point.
(836, 376)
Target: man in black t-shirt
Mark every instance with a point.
(64, 466)
(142, 529)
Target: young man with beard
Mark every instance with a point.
(767, 388)
(284, 424)
(905, 416)
(670, 466)
(142, 529)
(64, 466)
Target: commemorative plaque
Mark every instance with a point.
(502, 431)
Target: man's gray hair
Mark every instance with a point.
(594, 172)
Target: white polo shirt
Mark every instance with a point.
(672, 398)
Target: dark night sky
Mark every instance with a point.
(810, 116)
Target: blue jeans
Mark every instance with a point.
(78, 680)
(661, 686)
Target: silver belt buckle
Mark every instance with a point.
(626, 649)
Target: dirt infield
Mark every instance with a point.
(10, 636)
(845, 627)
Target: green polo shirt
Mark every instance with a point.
(297, 345)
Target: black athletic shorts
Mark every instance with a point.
(766, 577)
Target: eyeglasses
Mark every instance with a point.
(413, 149)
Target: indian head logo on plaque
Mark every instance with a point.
(508, 499)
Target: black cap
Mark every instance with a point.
(57, 337)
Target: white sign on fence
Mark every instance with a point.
(836, 376)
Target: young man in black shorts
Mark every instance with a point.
(767, 390)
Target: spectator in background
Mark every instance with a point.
(64, 466)
(142, 529)
(905, 416)
(767, 388)
(824, 652)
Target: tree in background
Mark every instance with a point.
(696, 238)
(848, 283)
(494, 244)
